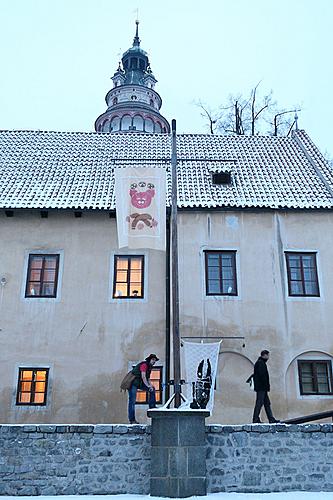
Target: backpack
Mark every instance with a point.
(127, 381)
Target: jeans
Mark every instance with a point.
(131, 401)
(262, 399)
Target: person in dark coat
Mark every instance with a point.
(262, 388)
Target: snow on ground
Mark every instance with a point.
(293, 495)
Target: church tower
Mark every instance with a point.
(133, 104)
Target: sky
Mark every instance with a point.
(57, 57)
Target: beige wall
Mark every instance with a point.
(262, 312)
(86, 366)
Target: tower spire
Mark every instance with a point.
(136, 40)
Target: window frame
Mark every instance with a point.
(289, 253)
(234, 267)
(56, 280)
(314, 362)
(127, 296)
(32, 392)
(158, 368)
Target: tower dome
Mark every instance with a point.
(133, 104)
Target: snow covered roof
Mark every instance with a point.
(75, 170)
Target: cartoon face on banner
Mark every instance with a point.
(142, 197)
(142, 194)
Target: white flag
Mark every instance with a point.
(201, 360)
(141, 207)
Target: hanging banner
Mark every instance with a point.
(141, 207)
(201, 361)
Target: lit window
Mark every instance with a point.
(42, 277)
(302, 274)
(220, 272)
(32, 386)
(315, 377)
(156, 377)
(128, 277)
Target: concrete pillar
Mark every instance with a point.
(178, 453)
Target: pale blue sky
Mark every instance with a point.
(57, 57)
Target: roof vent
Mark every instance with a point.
(222, 178)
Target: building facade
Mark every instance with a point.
(255, 252)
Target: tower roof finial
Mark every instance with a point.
(136, 40)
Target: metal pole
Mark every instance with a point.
(174, 271)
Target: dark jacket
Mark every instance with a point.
(138, 382)
(261, 376)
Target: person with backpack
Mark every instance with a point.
(141, 380)
(262, 388)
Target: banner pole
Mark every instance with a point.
(174, 269)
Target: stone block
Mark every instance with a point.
(194, 486)
(196, 461)
(164, 432)
(103, 429)
(251, 478)
(47, 428)
(215, 428)
(29, 428)
(192, 430)
(164, 487)
(120, 429)
(159, 461)
(177, 461)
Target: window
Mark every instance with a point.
(220, 272)
(32, 386)
(302, 274)
(42, 278)
(156, 378)
(128, 277)
(315, 377)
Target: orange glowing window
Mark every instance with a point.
(128, 277)
(156, 378)
(32, 386)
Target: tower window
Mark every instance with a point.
(134, 63)
(115, 100)
(149, 125)
(142, 64)
(126, 122)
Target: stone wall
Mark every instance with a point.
(266, 458)
(74, 460)
(110, 459)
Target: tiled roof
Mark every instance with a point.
(74, 170)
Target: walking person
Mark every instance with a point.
(141, 381)
(262, 388)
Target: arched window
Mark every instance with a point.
(126, 122)
(138, 123)
(142, 64)
(151, 102)
(115, 124)
(149, 125)
(158, 128)
(134, 63)
(105, 126)
(115, 100)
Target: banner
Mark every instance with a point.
(141, 207)
(201, 361)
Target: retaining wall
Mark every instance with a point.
(74, 460)
(266, 458)
(106, 459)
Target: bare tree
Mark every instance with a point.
(249, 116)
(210, 116)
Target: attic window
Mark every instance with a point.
(221, 178)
